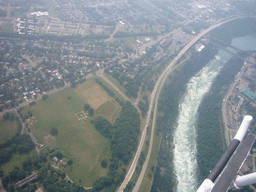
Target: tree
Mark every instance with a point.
(54, 131)
(5, 181)
(13, 174)
(91, 112)
(30, 114)
(32, 103)
(70, 162)
(87, 107)
(104, 163)
(127, 129)
(25, 143)
(45, 97)
(59, 155)
(73, 84)
(103, 126)
(27, 165)
(43, 156)
(9, 116)
(11, 188)
(32, 187)
(1, 172)
(21, 175)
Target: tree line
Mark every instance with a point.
(60, 38)
(124, 140)
(121, 34)
(111, 93)
(210, 133)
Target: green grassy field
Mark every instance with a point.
(7, 129)
(6, 27)
(77, 138)
(130, 42)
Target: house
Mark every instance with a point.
(63, 163)
(55, 159)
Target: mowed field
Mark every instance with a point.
(7, 129)
(109, 110)
(77, 138)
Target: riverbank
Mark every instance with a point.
(164, 178)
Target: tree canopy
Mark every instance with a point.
(103, 126)
(54, 131)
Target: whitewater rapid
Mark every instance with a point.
(185, 163)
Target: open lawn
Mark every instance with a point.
(92, 93)
(77, 138)
(130, 42)
(6, 27)
(7, 129)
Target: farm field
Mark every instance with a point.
(7, 129)
(77, 137)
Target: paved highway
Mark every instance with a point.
(155, 94)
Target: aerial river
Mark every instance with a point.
(185, 163)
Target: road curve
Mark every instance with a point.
(155, 94)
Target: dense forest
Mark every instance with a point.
(235, 28)
(124, 140)
(210, 133)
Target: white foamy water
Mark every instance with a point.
(185, 163)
